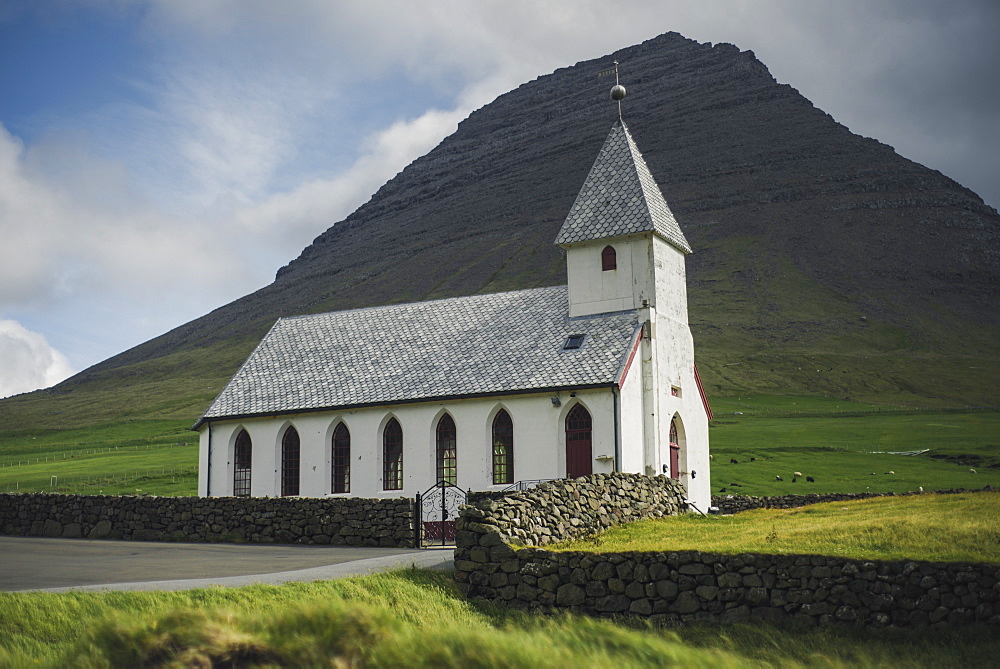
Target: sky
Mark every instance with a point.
(161, 158)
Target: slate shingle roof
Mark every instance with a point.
(483, 344)
(620, 197)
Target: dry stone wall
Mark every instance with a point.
(689, 586)
(735, 503)
(335, 521)
(567, 508)
(693, 587)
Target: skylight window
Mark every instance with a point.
(573, 341)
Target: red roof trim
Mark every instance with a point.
(701, 391)
(631, 357)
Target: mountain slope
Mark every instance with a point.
(824, 261)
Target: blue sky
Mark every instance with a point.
(160, 158)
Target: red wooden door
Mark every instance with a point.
(579, 456)
(675, 451)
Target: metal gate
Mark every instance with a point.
(436, 511)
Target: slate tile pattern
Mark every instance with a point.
(459, 346)
(620, 197)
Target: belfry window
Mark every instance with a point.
(609, 259)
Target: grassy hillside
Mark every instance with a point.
(841, 444)
(936, 528)
(418, 619)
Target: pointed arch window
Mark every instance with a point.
(340, 474)
(242, 457)
(290, 463)
(447, 451)
(503, 448)
(579, 458)
(609, 259)
(392, 456)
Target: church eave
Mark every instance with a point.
(204, 420)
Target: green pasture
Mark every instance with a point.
(842, 444)
(415, 618)
(961, 527)
(153, 456)
(846, 447)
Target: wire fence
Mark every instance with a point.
(66, 455)
(59, 483)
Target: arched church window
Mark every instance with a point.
(447, 451)
(242, 457)
(392, 456)
(503, 448)
(609, 259)
(579, 459)
(290, 463)
(340, 475)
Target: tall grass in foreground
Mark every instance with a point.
(948, 528)
(416, 618)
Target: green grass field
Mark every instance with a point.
(143, 456)
(415, 618)
(837, 442)
(939, 528)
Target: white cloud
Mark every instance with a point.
(29, 363)
(313, 206)
(257, 125)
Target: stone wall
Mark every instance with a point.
(336, 521)
(736, 503)
(689, 586)
(567, 508)
(693, 587)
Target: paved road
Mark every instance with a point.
(35, 563)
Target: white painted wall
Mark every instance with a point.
(596, 291)
(539, 444)
(650, 270)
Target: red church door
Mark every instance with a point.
(579, 456)
(675, 451)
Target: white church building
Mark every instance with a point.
(489, 390)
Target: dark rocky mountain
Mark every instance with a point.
(824, 261)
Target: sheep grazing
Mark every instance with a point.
(778, 478)
(722, 490)
(972, 471)
(794, 479)
(810, 479)
(735, 485)
(753, 459)
(797, 474)
(734, 461)
(920, 488)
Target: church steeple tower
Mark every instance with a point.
(620, 213)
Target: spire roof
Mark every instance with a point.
(620, 197)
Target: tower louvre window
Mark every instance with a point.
(609, 259)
